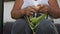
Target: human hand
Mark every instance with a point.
(30, 10)
(44, 8)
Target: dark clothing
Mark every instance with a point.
(45, 27)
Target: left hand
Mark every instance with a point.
(44, 8)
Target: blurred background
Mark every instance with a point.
(8, 5)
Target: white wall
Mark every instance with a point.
(7, 10)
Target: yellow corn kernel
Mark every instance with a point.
(37, 7)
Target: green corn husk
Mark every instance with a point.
(36, 20)
(33, 21)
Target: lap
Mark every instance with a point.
(46, 27)
(20, 26)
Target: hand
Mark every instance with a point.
(30, 10)
(44, 8)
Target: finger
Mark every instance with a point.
(30, 14)
(30, 7)
(32, 10)
(27, 13)
(45, 7)
(44, 10)
(33, 7)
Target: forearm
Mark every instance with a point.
(16, 11)
(17, 14)
(55, 12)
(54, 9)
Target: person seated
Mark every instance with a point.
(26, 7)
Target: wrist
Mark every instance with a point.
(22, 12)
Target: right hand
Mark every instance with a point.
(30, 10)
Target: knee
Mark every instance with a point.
(45, 25)
(18, 25)
(19, 22)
